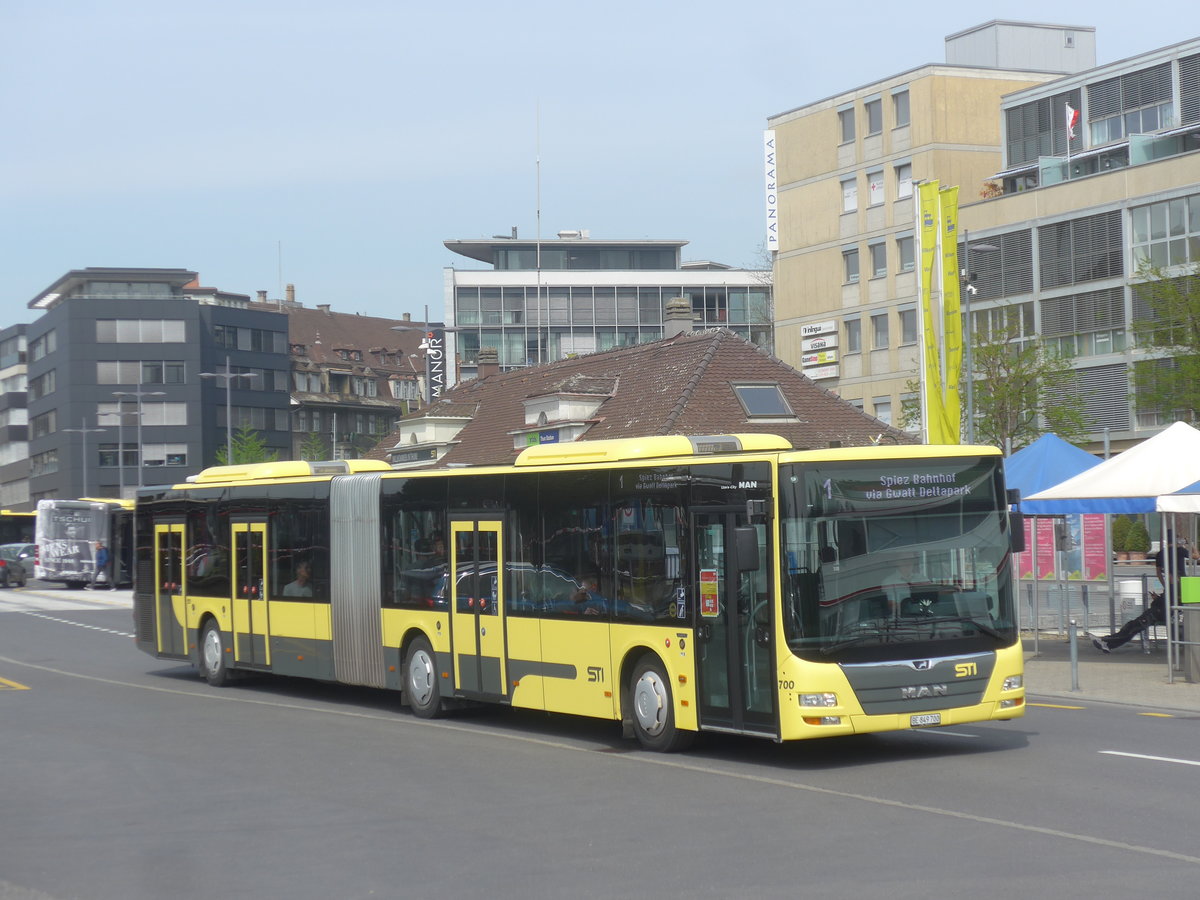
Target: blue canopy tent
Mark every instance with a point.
(1046, 462)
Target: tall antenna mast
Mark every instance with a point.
(537, 156)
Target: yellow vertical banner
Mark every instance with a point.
(935, 411)
(951, 312)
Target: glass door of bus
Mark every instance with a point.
(733, 626)
(169, 590)
(251, 631)
(477, 608)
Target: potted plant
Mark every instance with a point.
(1120, 536)
(1139, 540)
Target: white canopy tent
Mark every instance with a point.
(1158, 475)
(1133, 481)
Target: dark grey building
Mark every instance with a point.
(127, 351)
(14, 430)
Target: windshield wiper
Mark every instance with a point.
(966, 620)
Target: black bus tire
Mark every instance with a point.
(213, 666)
(421, 684)
(652, 708)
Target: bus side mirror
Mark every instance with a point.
(746, 547)
(1016, 532)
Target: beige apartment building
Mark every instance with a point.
(846, 289)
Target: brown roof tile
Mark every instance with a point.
(680, 385)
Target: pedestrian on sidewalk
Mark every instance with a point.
(100, 577)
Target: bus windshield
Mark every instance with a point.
(895, 559)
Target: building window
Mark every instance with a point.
(883, 409)
(165, 454)
(46, 423)
(879, 331)
(908, 326)
(900, 115)
(43, 463)
(846, 120)
(140, 331)
(874, 110)
(875, 193)
(878, 260)
(1137, 103)
(850, 265)
(850, 195)
(1167, 234)
(762, 400)
(41, 346)
(42, 385)
(903, 180)
(905, 253)
(853, 335)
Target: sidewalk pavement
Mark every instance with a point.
(1126, 675)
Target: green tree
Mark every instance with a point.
(1020, 382)
(1167, 326)
(1139, 537)
(1120, 532)
(313, 447)
(248, 447)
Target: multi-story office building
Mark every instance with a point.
(1070, 227)
(14, 430)
(126, 351)
(846, 285)
(544, 300)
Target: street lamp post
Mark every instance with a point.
(83, 431)
(969, 336)
(120, 416)
(228, 375)
(139, 394)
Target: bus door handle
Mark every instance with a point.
(704, 632)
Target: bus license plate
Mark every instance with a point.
(925, 720)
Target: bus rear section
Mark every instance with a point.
(67, 533)
(898, 606)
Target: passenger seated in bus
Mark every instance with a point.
(587, 600)
(900, 584)
(302, 586)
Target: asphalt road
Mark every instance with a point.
(126, 777)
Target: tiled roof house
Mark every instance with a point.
(695, 383)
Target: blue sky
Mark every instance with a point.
(336, 145)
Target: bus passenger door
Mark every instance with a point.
(251, 631)
(169, 590)
(477, 608)
(733, 627)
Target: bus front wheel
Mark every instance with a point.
(421, 680)
(212, 656)
(653, 709)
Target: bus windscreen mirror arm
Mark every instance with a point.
(1016, 521)
(747, 549)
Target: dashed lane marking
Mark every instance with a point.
(6, 685)
(1054, 706)
(38, 615)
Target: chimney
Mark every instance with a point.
(290, 294)
(323, 307)
(407, 317)
(262, 296)
(489, 362)
(677, 318)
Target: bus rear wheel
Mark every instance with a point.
(212, 656)
(653, 710)
(421, 680)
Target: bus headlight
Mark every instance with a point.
(818, 700)
(1013, 682)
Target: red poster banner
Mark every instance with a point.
(1095, 550)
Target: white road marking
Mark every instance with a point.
(38, 615)
(1182, 762)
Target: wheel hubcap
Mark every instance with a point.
(420, 678)
(212, 651)
(650, 703)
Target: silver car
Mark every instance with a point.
(16, 564)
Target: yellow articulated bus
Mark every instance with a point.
(673, 584)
